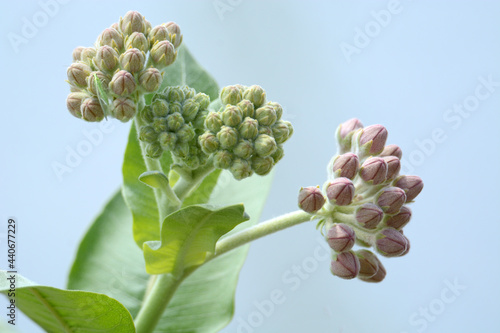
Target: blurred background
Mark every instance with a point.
(427, 70)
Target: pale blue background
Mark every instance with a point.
(428, 58)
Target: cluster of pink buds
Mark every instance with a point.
(364, 202)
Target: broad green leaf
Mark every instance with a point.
(154, 179)
(202, 194)
(188, 237)
(57, 310)
(109, 262)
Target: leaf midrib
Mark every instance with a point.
(52, 310)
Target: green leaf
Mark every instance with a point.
(188, 237)
(202, 194)
(154, 179)
(57, 310)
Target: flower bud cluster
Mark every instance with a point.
(246, 134)
(173, 122)
(364, 202)
(125, 62)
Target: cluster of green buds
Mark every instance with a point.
(125, 62)
(364, 202)
(246, 134)
(173, 122)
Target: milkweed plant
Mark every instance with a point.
(194, 154)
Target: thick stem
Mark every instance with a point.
(184, 186)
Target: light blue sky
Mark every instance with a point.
(412, 72)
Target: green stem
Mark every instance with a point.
(260, 230)
(184, 186)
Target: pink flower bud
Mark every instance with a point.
(393, 166)
(374, 138)
(346, 165)
(311, 199)
(392, 150)
(391, 243)
(399, 220)
(340, 191)
(374, 169)
(391, 200)
(345, 265)
(349, 126)
(412, 185)
(369, 215)
(341, 237)
(122, 83)
(368, 262)
(91, 110)
(378, 277)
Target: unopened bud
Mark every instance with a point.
(345, 265)
(122, 83)
(265, 130)
(167, 140)
(208, 142)
(278, 108)
(223, 159)
(392, 150)
(412, 185)
(262, 165)
(182, 150)
(74, 102)
(112, 38)
(213, 122)
(160, 108)
(77, 52)
(174, 33)
(160, 125)
(340, 191)
(87, 55)
(278, 154)
(373, 139)
(341, 237)
(175, 94)
(311, 199)
(106, 59)
(190, 109)
(391, 243)
(231, 116)
(266, 115)
(369, 215)
(91, 110)
(227, 137)
(244, 149)
(349, 127)
(163, 54)
(175, 107)
(186, 133)
(147, 134)
(368, 263)
(150, 79)
(78, 73)
(154, 150)
(147, 114)
(92, 84)
(157, 34)
(374, 170)
(246, 108)
(378, 277)
(133, 21)
(241, 169)
(255, 94)
(393, 166)
(123, 108)
(391, 200)
(399, 220)
(133, 60)
(230, 95)
(280, 131)
(203, 100)
(137, 40)
(346, 165)
(265, 145)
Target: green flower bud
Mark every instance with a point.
(133, 60)
(265, 145)
(122, 83)
(175, 107)
(255, 94)
(223, 159)
(78, 73)
(160, 108)
(106, 59)
(203, 100)
(181, 149)
(290, 128)
(280, 131)
(150, 79)
(266, 115)
(262, 165)
(230, 95)
(167, 140)
(163, 54)
(147, 114)
(175, 94)
(241, 169)
(190, 109)
(227, 137)
(265, 130)
(87, 55)
(186, 133)
(132, 21)
(278, 154)
(277, 108)
(174, 33)
(137, 40)
(208, 142)
(175, 121)
(148, 27)
(74, 102)
(154, 150)
(157, 34)
(91, 110)
(188, 92)
(147, 134)
(123, 108)
(246, 108)
(249, 128)
(160, 125)
(91, 81)
(231, 116)
(243, 149)
(112, 38)
(199, 121)
(213, 122)
(77, 53)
